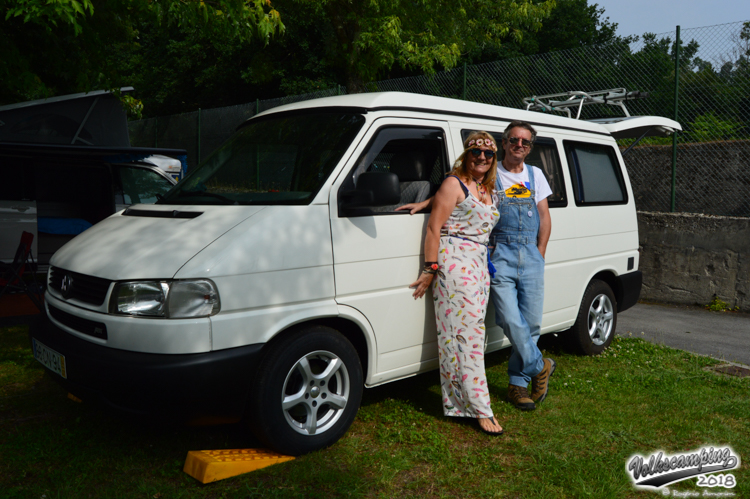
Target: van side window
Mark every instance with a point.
(595, 173)
(416, 155)
(545, 157)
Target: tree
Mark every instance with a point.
(54, 47)
(372, 36)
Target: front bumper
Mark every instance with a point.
(212, 385)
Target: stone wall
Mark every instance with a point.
(689, 259)
(711, 177)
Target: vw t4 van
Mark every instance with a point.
(272, 281)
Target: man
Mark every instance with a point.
(518, 244)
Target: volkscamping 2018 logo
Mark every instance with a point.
(660, 469)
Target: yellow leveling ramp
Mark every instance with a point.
(212, 465)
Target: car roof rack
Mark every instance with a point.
(565, 101)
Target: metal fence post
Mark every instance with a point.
(463, 94)
(676, 102)
(199, 135)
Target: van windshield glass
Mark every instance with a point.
(282, 160)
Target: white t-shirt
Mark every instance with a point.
(517, 185)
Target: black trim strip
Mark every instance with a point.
(161, 214)
(84, 326)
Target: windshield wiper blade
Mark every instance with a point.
(187, 194)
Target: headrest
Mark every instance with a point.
(409, 166)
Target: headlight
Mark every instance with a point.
(197, 298)
(170, 299)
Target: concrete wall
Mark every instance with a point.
(687, 258)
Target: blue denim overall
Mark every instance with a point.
(517, 289)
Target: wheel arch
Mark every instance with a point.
(359, 337)
(611, 279)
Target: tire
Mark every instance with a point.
(308, 391)
(596, 323)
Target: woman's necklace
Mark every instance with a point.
(481, 192)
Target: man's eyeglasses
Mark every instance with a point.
(516, 140)
(487, 153)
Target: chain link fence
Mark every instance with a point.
(710, 166)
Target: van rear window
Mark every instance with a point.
(596, 174)
(283, 160)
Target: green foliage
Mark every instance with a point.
(58, 47)
(372, 36)
(45, 12)
(718, 305)
(709, 127)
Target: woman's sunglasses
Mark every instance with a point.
(487, 153)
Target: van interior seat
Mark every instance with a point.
(412, 172)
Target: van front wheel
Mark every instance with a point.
(596, 323)
(308, 391)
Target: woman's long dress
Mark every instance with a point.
(461, 294)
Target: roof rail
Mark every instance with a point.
(565, 101)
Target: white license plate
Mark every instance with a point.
(49, 358)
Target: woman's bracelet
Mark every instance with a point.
(430, 268)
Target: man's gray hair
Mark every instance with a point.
(519, 124)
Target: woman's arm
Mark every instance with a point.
(416, 207)
(447, 197)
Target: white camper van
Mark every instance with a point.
(272, 281)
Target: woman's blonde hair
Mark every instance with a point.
(459, 167)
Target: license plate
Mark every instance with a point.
(50, 359)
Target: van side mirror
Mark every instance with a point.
(373, 189)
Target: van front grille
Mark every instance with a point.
(81, 287)
(85, 326)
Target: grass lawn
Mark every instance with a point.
(636, 398)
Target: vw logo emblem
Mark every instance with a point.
(66, 286)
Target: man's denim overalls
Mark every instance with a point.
(517, 290)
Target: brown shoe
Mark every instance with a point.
(540, 382)
(519, 397)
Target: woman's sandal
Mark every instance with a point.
(493, 433)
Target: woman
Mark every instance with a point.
(463, 215)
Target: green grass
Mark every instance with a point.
(635, 398)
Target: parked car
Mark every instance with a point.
(57, 192)
(272, 281)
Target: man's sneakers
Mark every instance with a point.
(519, 397)
(540, 382)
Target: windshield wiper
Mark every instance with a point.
(187, 194)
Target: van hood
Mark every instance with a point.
(148, 241)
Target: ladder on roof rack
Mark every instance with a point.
(565, 101)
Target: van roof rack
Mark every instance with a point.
(563, 102)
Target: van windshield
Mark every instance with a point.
(277, 160)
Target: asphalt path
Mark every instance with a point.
(721, 335)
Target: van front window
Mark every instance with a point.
(274, 160)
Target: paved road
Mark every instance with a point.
(722, 335)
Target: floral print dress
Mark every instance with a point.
(461, 293)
